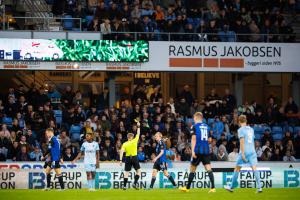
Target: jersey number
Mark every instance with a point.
(250, 137)
(204, 135)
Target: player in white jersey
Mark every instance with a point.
(247, 155)
(90, 150)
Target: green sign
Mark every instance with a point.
(74, 50)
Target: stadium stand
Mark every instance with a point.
(110, 125)
(204, 20)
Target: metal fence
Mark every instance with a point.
(44, 23)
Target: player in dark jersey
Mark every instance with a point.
(52, 156)
(160, 161)
(200, 151)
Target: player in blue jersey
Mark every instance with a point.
(90, 150)
(160, 161)
(53, 156)
(200, 152)
(247, 155)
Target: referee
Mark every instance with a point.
(131, 160)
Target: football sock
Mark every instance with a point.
(125, 181)
(89, 183)
(256, 174)
(136, 178)
(234, 179)
(171, 179)
(152, 182)
(61, 182)
(93, 183)
(211, 178)
(190, 180)
(48, 180)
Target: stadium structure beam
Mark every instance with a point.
(112, 90)
(239, 88)
(296, 88)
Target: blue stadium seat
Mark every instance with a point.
(229, 136)
(188, 120)
(257, 136)
(288, 128)
(277, 136)
(277, 130)
(210, 121)
(75, 133)
(296, 130)
(89, 19)
(259, 129)
(8, 121)
(58, 116)
(68, 23)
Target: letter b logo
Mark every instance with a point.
(291, 178)
(36, 180)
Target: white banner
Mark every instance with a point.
(110, 176)
(191, 56)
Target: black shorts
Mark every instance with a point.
(205, 159)
(160, 166)
(49, 164)
(131, 161)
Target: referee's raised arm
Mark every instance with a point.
(138, 132)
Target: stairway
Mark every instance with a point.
(38, 9)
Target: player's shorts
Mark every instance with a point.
(131, 162)
(160, 166)
(49, 164)
(90, 167)
(251, 160)
(204, 158)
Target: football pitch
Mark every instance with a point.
(159, 194)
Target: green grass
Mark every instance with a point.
(159, 194)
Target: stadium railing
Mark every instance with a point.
(34, 34)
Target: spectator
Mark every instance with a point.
(103, 101)
(291, 107)
(258, 149)
(266, 155)
(23, 154)
(276, 156)
(77, 100)
(230, 99)
(36, 154)
(155, 95)
(187, 153)
(233, 155)
(183, 107)
(288, 157)
(221, 156)
(64, 139)
(101, 12)
(136, 12)
(186, 93)
(68, 155)
(297, 145)
(67, 97)
(105, 29)
(195, 107)
(141, 155)
(289, 147)
(267, 137)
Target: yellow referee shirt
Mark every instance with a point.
(130, 147)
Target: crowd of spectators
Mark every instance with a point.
(26, 114)
(212, 20)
